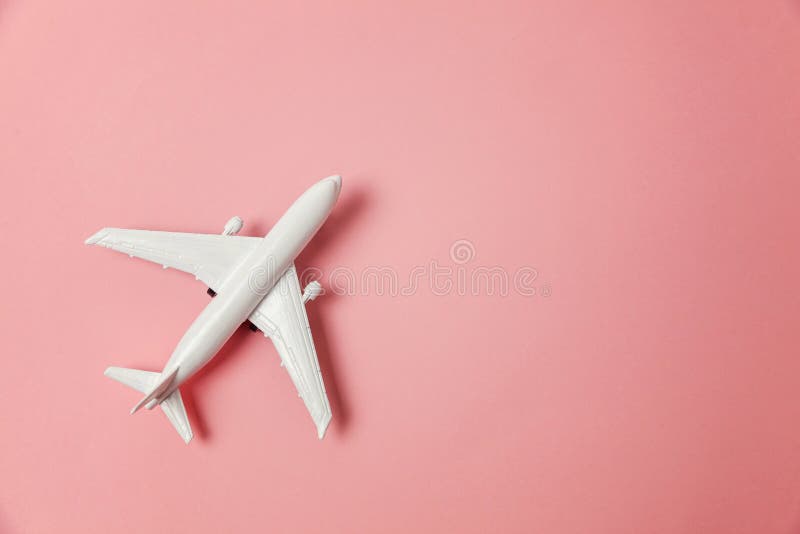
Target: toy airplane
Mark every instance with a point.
(252, 279)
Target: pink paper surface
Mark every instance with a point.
(638, 161)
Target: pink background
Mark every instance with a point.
(642, 156)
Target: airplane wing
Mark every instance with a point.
(208, 257)
(282, 317)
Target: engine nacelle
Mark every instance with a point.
(233, 226)
(312, 291)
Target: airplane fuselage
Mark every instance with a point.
(248, 283)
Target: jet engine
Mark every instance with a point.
(233, 226)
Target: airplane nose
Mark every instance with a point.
(337, 181)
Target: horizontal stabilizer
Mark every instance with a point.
(142, 381)
(176, 413)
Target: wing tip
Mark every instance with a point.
(322, 425)
(96, 237)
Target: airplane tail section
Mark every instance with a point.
(154, 385)
(151, 399)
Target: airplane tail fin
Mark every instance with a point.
(151, 399)
(154, 384)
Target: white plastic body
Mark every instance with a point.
(246, 286)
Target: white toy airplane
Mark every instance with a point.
(253, 279)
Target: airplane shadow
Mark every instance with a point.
(350, 207)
